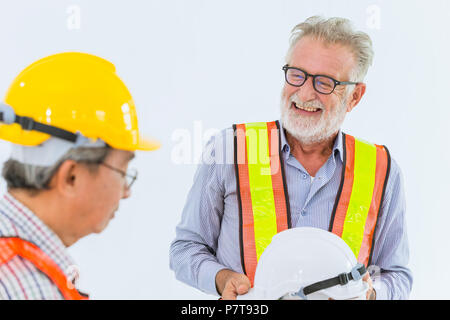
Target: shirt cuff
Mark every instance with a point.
(207, 276)
(382, 291)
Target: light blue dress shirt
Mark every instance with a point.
(207, 237)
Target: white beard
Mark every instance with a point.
(311, 131)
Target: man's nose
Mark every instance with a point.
(126, 192)
(307, 92)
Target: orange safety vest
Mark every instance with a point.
(11, 247)
(264, 201)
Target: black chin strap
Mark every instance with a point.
(8, 116)
(356, 274)
(28, 123)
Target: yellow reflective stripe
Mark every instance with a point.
(361, 197)
(260, 180)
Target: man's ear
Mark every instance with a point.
(356, 96)
(66, 178)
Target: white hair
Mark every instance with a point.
(37, 178)
(340, 31)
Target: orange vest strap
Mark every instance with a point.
(278, 178)
(343, 198)
(246, 233)
(10, 247)
(248, 246)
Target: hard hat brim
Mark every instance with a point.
(147, 144)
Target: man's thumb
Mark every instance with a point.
(242, 288)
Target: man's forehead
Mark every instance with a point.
(318, 57)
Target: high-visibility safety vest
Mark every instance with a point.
(264, 201)
(12, 246)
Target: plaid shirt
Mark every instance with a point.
(19, 278)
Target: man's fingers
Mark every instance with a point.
(370, 293)
(229, 294)
(230, 291)
(243, 288)
(234, 288)
(367, 279)
(243, 285)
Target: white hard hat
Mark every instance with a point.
(308, 263)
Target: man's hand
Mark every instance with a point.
(230, 284)
(371, 293)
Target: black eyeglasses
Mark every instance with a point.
(323, 84)
(130, 176)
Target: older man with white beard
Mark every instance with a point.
(302, 172)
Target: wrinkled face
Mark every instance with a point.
(101, 192)
(306, 114)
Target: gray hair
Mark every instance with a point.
(336, 30)
(37, 178)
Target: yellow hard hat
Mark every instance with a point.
(75, 93)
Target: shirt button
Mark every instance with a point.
(303, 213)
(305, 176)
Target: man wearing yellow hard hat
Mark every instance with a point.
(73, 127)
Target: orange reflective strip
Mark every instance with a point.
(347, 185)
(6, 252)
(247, 232)
(277, 177)
(29, 251)
(343, 198)
(369, 229)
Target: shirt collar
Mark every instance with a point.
(338, 143)
(30, 228)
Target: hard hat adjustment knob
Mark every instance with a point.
(7, 114)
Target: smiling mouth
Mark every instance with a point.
(306, 109)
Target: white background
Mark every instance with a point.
(196, 65)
